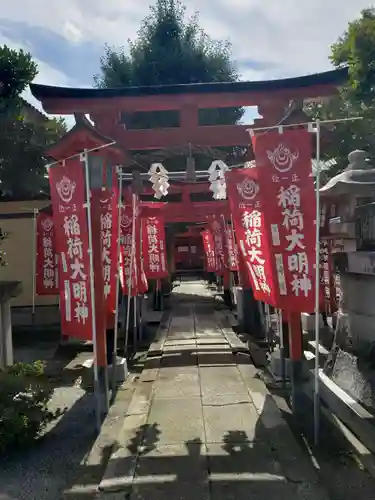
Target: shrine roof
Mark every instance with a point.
(329, 78)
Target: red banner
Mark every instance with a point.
(327, 279)
(108, 237)
(46, 282)
(216, 228)
(127, 259)
(286, 186)
(209, 250)
(231, 254)
(71, 231)
(154, 247)
(247, 213)
(141, 277)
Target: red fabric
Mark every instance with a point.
(46, 257)
(209, 251)
(216, 228)
(127, 242)
(154, 247)
(141, 277)
(251, 235)
(108, 237)
(327, 278)
(284, 174)
(231, 251)
(71, 231)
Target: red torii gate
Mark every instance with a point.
(108, 109)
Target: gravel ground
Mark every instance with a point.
(42, 472)
(46, 468)
(49, 467)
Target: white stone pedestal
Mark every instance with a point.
(308, 322)
(121, 370)
(6, 343)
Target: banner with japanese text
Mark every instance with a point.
(128, 251)
(231, 256)
(286, 185)
(247, 213)
(108, 237)
(209, 251)
(327, 278)
(46, 282)
(154, 247)
(71, 232)
(216, 227)
(141, 277)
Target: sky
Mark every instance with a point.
(270, 39)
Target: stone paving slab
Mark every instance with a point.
(202, 427)
(180, 462)
(178, 420)
(221, 380)
(182, 385)
(172, 491)
(233, 423)
(182, 342)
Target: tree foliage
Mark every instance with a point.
(25, 393)
(355, 49)
(170, 49)
(23, 139)
(17, 70)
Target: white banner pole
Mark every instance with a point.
(36, 211)
(317, 287)
(92, 290)
(132, 256)
(115, 334)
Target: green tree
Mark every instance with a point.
(17, 70)
(170, 49)
(355, 49)
(23, 138)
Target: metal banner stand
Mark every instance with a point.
(142, 298)
(118, 243)
(84, 157)
(279, 316)
(317, 290)
(132, 258)
(35, 211)
(92, 287)
(310, 126)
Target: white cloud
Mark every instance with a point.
(292, 34)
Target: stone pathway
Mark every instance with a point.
(201, 425)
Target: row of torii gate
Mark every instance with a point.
(111, 143)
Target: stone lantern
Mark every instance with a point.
(353, 229)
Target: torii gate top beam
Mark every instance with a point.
(63, 100)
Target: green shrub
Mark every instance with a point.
(24, 396)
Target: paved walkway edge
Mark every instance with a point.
(94, 466)
(297, 465)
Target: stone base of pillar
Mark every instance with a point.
(227, 297)
(121, 371)
(248, 314)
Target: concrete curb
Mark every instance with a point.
(157, 346)
(121, 466)
(236, 345)
(297, 466)
(92, 466)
